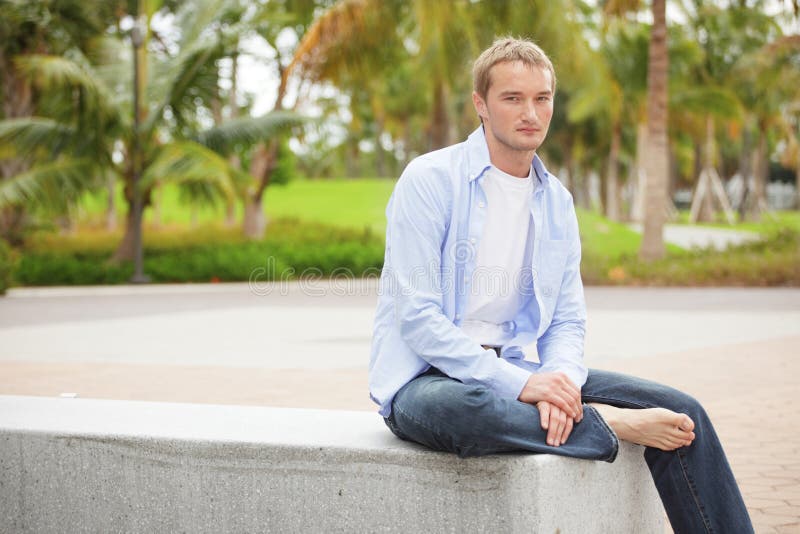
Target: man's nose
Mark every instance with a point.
(529, 110)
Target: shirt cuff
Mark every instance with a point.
(509, 379)
(575, 373)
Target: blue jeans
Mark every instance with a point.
(695, 483)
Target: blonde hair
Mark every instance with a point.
(508, 49)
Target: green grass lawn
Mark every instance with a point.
(352, 203)
(332, 224)
(361, 203)
(770, 222)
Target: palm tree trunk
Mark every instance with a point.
(639, 175)
(440, 120)
(380, 153)
(797, 167)
(111, 206)
(255, 223)
(17, 102)
(657, 162)
(758, 200)
(707, 207)
(612, 178)
(125, 250)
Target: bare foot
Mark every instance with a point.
(651, 427)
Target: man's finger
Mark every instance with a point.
(544, 414)
(564, 403)
(551, 433)
(567, 430)
(562, 422)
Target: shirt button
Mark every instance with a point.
(473, 240)
(481, 204)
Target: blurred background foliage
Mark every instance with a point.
(346, 93)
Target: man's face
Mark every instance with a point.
(518, 107)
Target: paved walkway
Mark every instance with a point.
(306, 346)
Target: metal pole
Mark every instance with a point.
(138, 205)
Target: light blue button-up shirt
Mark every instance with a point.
(435, 221)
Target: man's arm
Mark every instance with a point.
(561, 346)
(561, 350)
(419, 215)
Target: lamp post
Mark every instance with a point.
(138, 204)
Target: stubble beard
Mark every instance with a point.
(514, 146)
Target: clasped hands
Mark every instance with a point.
(559, 402)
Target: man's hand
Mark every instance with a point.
(557, 389)
(556, 422)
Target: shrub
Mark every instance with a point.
(291, 249)
(7, 259)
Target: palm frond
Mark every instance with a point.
(29, 136)
(224, 138)
(339, 27)
(53, 185)
(193, 167)
(51, 73)
(717, 101)
(193, 18)
(186, 70)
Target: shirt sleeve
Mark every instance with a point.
(418, 218)
(561, 346)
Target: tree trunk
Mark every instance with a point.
(707, 207)
(17, 102)
(380, 153)
(111, 207)
(612, 178)
(255, 223)
(264, 160)
(158, 208)
(639, 174)
(440, 120)
(125, 251)
(351, 158)
(758, 197)
(657, 162)
(797, 166)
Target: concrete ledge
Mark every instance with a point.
(79, 465)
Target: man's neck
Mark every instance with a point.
(521, 167)
(514, 162)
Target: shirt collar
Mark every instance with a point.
(478, 156)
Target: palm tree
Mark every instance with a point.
(173, 146)
(615, 96)
(367, 47)
(37, 26)
(657, 142)
(657, 163)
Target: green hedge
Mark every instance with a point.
(772, 261)
(291, 249)
(7, 259)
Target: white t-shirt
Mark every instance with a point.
(495, 292)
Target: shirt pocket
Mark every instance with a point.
(550, 269)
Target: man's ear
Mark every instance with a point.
(480, 105)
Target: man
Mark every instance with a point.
(482, 264)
